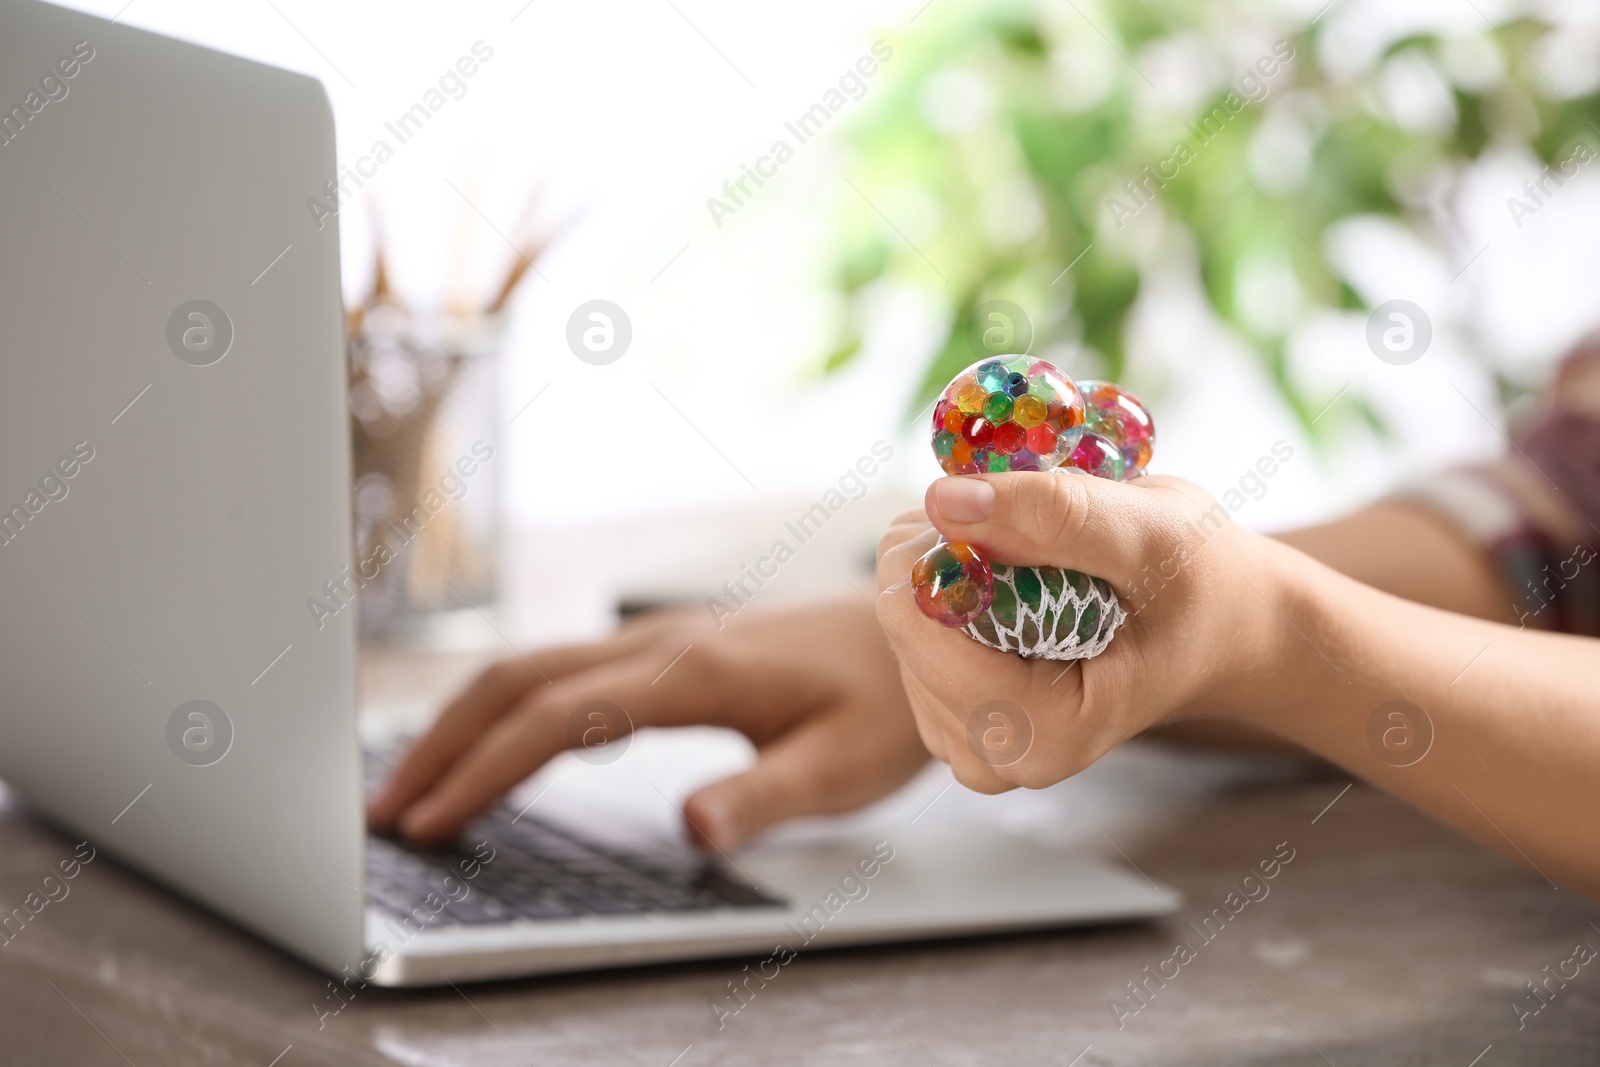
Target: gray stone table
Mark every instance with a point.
(1386, 940)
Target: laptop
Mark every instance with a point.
(175, 485)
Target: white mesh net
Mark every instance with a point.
(1048, 613)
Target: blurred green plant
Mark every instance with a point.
(1023, 145)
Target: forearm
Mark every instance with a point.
(1395, 547)
(1407, 550)
(1515, 714)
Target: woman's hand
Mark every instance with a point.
(815, 688)
(1225, 622)
(1192, 583)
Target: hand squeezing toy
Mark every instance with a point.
(1016, 413)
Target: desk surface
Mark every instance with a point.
(1386, 940)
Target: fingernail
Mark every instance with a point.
(963, 499)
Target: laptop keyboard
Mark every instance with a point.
(539, 871)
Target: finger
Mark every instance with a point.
(820, 767)
(493, 693)
(899, 533)
(945, 733)
(944, 659)
(489, 696)
(900, 548)
(906, 525)
(501, 756)
(930, 730)
(1100, 527)
(649, 689)
(956, 685)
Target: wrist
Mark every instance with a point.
(1286, 657)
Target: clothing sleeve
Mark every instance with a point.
(1536, 512)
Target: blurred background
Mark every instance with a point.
(805, 218)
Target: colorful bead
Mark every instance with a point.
(992, 375)
(1008, 438)
(997, 408)
(1041, 440)
(944, 442)
(977, 431)
(1067, 413)
(1098, 456)
(999, 463)
(1016, 383)
(954, 584)
(1118, 415)
(969, 397)
(1029, 411)
(1025, 461)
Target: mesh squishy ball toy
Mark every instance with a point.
(1017, 413)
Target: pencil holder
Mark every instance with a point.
(427, 472)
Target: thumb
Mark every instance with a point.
(823, 765)
(781, 785)
(1049, 519)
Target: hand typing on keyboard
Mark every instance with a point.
(814, 688)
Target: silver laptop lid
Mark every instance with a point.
(173, 471)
